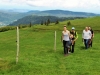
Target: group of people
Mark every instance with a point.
(87, 37)
(69, 38)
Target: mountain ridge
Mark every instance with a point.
(8, 17)
(34, 19)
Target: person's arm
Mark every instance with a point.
(92, 34)
(69, 33)
(82, 36)
(62, 37)
(76, 37)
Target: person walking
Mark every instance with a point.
(86, 36)
(74, 37)
(65, 39)
(91, 38)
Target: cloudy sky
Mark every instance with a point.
(72, 5)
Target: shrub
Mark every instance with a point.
(6, 28)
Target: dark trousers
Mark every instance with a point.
(72, 47)
(65, 45)
(86, 43)
(90, 42)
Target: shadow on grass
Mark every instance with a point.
(7, 67)
(3, 64)
(82, 48)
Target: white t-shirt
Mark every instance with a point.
(65, 35)
(86, 34)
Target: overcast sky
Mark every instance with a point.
(72, 5)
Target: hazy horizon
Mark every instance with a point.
(89, 6)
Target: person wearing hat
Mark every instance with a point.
(74, 36)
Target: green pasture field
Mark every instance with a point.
(38, 57)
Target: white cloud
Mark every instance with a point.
(65, 3)
(58, 4)
(13, 2)
(73, 5)
(55, 3)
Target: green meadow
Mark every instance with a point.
(38, 57)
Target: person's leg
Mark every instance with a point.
(91, 42)
(64, 45)
(85, 43)
(70, 44)
(67, 46)
(73, 47)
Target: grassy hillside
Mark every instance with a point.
(93, 22)
(37, 55)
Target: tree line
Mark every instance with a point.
(43, 20)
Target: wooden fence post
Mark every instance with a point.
(55, 42)
(17, 45)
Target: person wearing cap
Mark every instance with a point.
(74, 37)
(65, 39)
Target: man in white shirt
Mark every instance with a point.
(86, 35)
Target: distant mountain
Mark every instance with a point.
(9, 16)
(40, 19)
(64, 13)
(17, 10)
